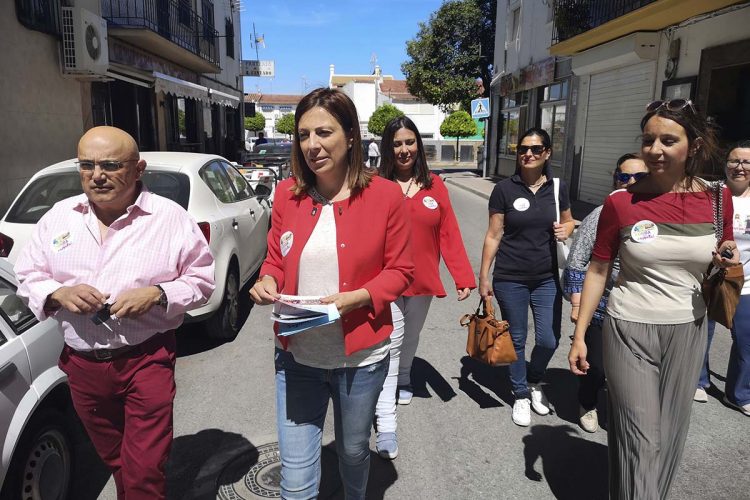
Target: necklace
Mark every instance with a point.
(538, 183)
(315, 195)
(408, 188)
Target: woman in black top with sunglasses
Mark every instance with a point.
(521, 240)
(630, 169)
(654, 335)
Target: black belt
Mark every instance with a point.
(107, 354)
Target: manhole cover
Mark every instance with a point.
(241, 480)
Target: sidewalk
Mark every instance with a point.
(482, 186)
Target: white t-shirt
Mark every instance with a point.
(741, 226)
(372, 149)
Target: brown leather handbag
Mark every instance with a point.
(722, 287)
(489, 339)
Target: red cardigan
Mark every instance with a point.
(435, 232)
(372, 239)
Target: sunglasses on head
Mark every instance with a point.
(670, 105)
(624, 178)
(536, 150)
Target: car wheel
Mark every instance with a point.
(41, 465)
(225, 324)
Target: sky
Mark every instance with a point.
(305, 37)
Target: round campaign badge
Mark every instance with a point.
(430, 202)
(644, 231)
(286, 241)
(521, 204)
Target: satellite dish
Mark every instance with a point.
(93, 43)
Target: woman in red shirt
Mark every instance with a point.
(341, 233)
(434, 233)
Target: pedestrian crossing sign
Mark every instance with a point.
(480, 108)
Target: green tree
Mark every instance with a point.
(458, 124)
(285, 124)
(255, 123)
(451, 51)
(380, 118)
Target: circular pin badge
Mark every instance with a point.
(286, 241)
(521, 204)
(430, 202)
(644, 231)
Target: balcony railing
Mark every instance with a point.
(174, 20)
(573, 17)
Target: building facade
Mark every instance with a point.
(272, 107)
(626, 54)
(368, 92)
(166, 71)
(530, 88)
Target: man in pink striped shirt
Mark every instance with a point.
(141, 256)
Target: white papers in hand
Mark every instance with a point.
(295, 314)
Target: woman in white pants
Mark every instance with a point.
(434, 233)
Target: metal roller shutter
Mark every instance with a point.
(617, 101)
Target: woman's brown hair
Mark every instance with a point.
(343, 110)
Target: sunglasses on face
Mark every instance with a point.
(624, 178)
(108, 166)
(536, 150)
(671, 105)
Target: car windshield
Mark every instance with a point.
(272, 149)
(45, 191)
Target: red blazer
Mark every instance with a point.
(435, 233)
(372, 239)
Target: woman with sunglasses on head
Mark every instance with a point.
(737, 386)
(654, 333)
(340, 232)
(630, 169)
(521, 239)
(434, 234)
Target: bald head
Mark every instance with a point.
(110, 143)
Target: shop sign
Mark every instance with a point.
(532, 76)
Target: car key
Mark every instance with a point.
(101, 317)
(727, 253)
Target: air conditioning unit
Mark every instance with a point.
(84, 43)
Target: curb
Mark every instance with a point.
(472, 190)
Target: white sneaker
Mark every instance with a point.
(700, 395)
(538, 400)
(522, 412)
(589, 420)
(744, 409)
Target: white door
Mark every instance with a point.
(617, 102)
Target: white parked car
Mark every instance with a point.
(232, 217)
(35, 408)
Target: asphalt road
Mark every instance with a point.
(456, 439)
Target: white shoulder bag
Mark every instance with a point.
(562, 248)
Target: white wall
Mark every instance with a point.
(534, 33)
(41, 111)
(230, 67)
(726, 28)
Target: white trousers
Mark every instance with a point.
(409, 315)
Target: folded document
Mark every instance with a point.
(295, 314)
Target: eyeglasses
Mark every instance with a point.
(624, 178)
(671, 105)
(536, 149)
(108, 166)
(744, 164)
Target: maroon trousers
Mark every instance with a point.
(126, 407)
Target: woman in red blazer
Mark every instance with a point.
(341, 233)
(434, 233)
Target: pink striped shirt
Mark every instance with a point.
(154, 242)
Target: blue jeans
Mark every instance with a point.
(738, 370)
(704, 380)
(302, 395)
(545, 300)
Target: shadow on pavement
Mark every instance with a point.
(494, 379)
(197, 461)
(90, 475)
(382, 475)
(424, 374)
(561, 388)
(573, 467)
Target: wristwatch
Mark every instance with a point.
(162, 296)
